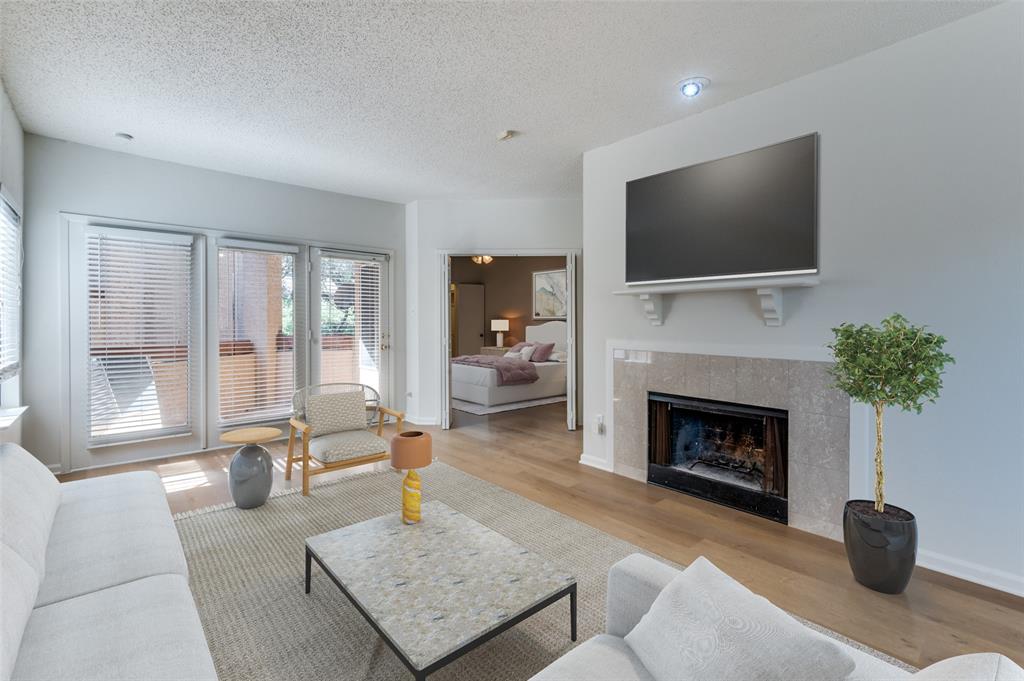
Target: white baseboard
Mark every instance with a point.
(595, 462)
(421, 420)
(972, 572)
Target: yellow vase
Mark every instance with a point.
(411, 496)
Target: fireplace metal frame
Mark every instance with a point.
(758, 503)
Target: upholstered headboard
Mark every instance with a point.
(549, 332)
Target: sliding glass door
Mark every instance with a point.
(348, 317)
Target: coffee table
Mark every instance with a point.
(438, 589)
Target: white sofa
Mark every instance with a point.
(634, 584)
(94, 580)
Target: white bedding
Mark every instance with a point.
(480, 384)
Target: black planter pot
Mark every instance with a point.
(882, 549)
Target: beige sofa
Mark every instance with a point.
(94, 580)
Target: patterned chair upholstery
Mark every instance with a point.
(353, 446)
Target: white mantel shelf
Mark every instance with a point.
(768, 289)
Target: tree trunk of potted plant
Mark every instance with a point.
(894, 364)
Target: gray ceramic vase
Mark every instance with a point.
(250, 476)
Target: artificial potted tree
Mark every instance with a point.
(894, 364)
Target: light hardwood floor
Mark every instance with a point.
(530, 452)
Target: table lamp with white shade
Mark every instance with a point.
(500, 325)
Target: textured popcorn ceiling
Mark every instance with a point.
(405, 100)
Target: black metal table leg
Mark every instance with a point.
(572, 611)
(309, 567)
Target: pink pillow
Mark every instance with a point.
(543, 352)
(519, 346)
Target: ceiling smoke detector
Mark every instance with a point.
(692, 87)
(124, 136)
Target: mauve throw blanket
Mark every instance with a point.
(511, 371)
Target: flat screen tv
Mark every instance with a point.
(752, 214)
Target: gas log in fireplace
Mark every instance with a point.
(732, 454)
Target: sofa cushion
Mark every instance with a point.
(110, 530)
(976, 667)
(29, 496)
(706, 625)
(147, 629)
(602, 658)
(351, 444)
(18, 586)
(336, 412)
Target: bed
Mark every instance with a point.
(479, 385)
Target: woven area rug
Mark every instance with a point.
(247, 577)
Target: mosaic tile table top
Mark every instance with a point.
(438, 585)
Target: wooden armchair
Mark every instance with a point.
(340, 449)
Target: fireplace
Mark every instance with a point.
(732, 454)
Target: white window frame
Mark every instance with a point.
(82, 453)
(10, 387)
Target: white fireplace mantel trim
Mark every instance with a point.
(861, 435)
(769, 290)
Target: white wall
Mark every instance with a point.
(921, 174)
(468, 226)
(62, 176)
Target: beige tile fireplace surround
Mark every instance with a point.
(819, 419)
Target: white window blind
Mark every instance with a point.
(10, 291)
(350, 320)
(139, 331)
(256, 319)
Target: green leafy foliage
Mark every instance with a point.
(893, 364)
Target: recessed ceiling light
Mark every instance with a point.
(692, 87)
(124, 136)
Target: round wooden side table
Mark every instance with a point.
(251, 473)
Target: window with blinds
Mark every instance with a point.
(256, 320)
(140, 287)
(350, 320)
(10, 291)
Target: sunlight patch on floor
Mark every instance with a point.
(182, 475)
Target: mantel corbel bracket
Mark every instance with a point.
(653, 309)
(771, 305)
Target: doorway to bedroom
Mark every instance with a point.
(509, 335)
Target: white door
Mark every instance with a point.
(570, 322)
(350, 341)
(470, 319)
(446, 342)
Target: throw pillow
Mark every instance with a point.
(527, 352)
(706, 625)
(514, 354)
(336, 412)
(559, 356)
(974, 667)
(543, 352)
(519, 346)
